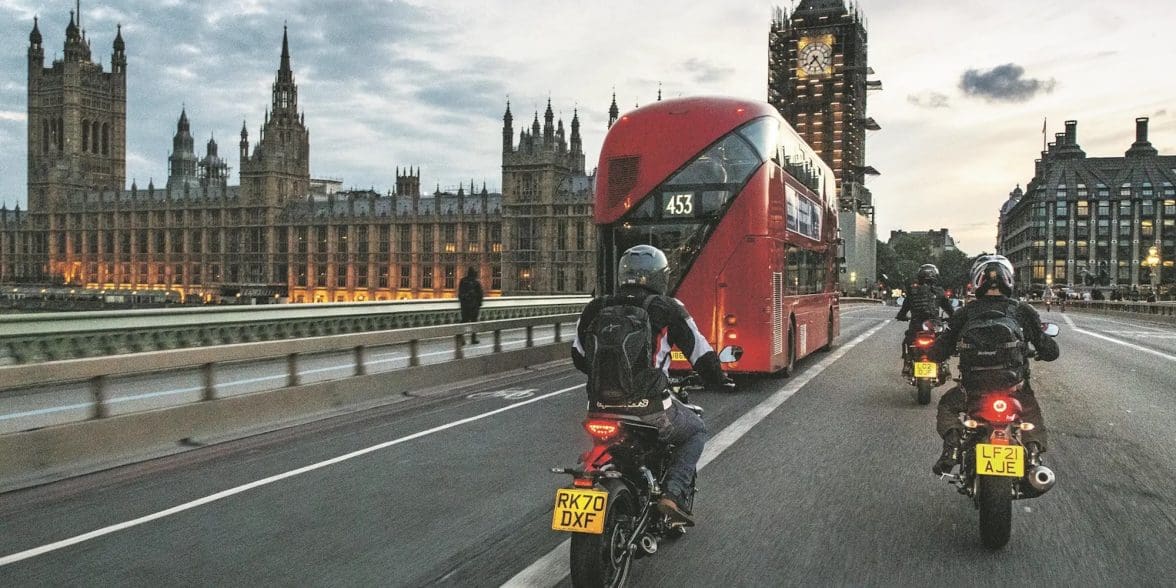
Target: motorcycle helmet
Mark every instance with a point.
(928, 273)
(645, 266)
(992, 271)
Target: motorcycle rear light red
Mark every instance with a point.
(602, 430)
(583, 483)
(924, 342)
(1000, 408)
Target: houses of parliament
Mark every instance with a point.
(280, 235)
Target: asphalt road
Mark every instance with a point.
(831, 487)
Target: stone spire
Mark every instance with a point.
(613, 112)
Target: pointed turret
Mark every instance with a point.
(577, 144)
(118, 60)
(507, 130)
(613, 111)
(35, 34)
(285, 99)
(36, 51)
(535, 125)
(548, 126)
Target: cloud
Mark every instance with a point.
(12, 115)
(1161, 112)
(705, 73)
(1003, 83)
(929, 99)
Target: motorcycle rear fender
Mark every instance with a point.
(596, 458)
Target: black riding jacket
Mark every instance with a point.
(1027, 317)
(671, 325)
(940, 300)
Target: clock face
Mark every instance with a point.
(814, 56)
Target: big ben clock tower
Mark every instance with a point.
(817, 74)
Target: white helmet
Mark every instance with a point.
(991, 271)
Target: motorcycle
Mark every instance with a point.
(611, 505)
(995, 467)
(923, 373)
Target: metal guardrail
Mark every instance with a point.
(26, 339)
(1156, 309)
(97, 371)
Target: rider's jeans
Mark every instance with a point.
(682, 428)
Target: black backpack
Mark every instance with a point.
(924, 301)
(992, 349)
(620, 347)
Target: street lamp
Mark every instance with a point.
(1153, 264)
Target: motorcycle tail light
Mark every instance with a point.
(583, 483)
(999, 408)
(924, 341)
(602, 429)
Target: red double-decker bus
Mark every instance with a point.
(743, 209)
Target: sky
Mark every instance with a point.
(967, 84)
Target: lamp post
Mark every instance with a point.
(1153, 264)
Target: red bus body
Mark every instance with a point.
(744, 210)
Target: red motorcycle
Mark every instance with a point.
(923, 373)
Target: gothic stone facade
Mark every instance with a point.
(279, 235)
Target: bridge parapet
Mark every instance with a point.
(33, 338)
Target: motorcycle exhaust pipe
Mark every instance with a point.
(648, 544)
(1041, 478)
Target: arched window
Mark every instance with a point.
(44, 136)
(94, 137)
(60, 135)
(85, 135)
(106, 138)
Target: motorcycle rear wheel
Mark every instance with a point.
(601, 560)
(995, 500)
(924, 390)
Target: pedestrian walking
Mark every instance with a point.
(469, 294)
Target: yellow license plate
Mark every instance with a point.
(579, 510)
(1000, 460)
(677, 355)
(926, 369)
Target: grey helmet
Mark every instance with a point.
(645, 266)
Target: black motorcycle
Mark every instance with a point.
(611, 505)
(923, 373)
(995, 468)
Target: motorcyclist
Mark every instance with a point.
(921, 303)
(992, 276)
(643, 273)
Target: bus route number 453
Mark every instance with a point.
(679, 204)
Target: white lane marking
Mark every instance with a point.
(1070, 321)
(1126, 344)
(552, 568)
(30, 553)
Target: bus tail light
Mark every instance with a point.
(732, 335)
(730, 320)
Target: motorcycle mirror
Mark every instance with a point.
(1050, 329)
(730, 353)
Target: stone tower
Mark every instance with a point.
(77, 118)
(182, 161)
(817, 72)
(279, 168)
(543, 187)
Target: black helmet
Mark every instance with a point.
(992, 271)
(645, 266)
(928, 273)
